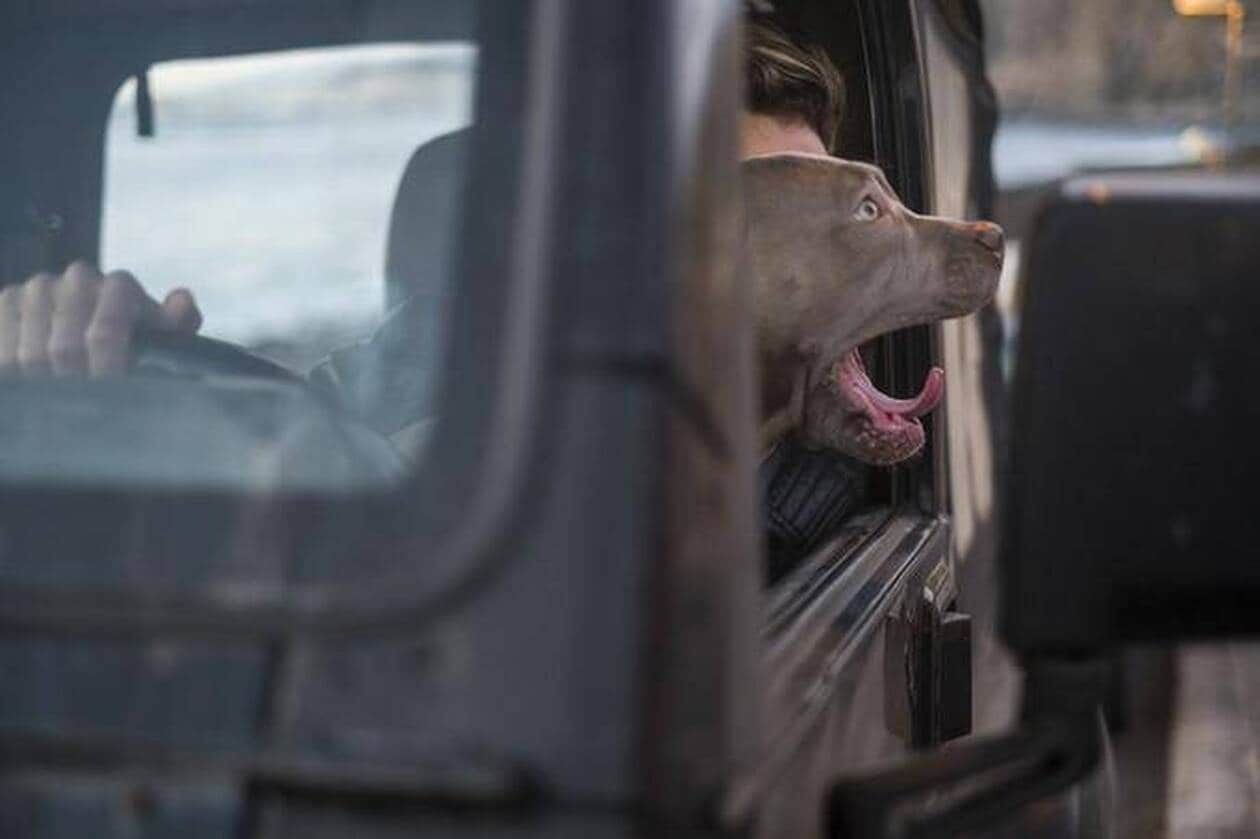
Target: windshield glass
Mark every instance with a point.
(230, 243)
(254, 161)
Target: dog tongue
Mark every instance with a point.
(853, 368)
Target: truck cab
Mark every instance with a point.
(234, 606)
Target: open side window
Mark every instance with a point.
(880, 125)
(863, 624)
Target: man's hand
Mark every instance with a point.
(83, 321)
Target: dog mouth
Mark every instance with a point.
(880, 429)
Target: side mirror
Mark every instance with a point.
(1128, 515)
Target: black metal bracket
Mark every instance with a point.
(976, 785)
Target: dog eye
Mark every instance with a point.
(868, 210)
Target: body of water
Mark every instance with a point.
(1027, 151)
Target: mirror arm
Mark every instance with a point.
(976, 784)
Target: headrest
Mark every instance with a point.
(422, 225)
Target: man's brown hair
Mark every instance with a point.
(787, 79)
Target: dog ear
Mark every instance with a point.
(787, 167)
(772, 163)
(769, 176)
(788, 186)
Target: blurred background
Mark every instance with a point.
(1094, 84)
(1135, 64)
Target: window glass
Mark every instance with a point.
(267, 185)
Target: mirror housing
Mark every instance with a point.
(1129, 514)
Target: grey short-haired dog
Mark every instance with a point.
(837, 259)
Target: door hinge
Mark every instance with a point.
(927, 674)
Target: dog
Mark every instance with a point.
(837, 260)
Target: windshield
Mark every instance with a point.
(255, 161)
(230, 252)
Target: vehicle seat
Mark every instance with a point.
(390, 380)
(422, 225)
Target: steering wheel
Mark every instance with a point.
(196, 356)
(195, 412)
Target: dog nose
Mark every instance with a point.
(989, 234)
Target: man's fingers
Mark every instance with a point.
(179, 312)
(121, 306)
(74, 301)
(35, 309)
(10, 323)
(83, 321)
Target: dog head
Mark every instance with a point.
(837, 259)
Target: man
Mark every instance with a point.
(83, 321)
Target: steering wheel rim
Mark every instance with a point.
(196, 412)
(196, 356)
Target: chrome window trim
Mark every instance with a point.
(808, 649)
